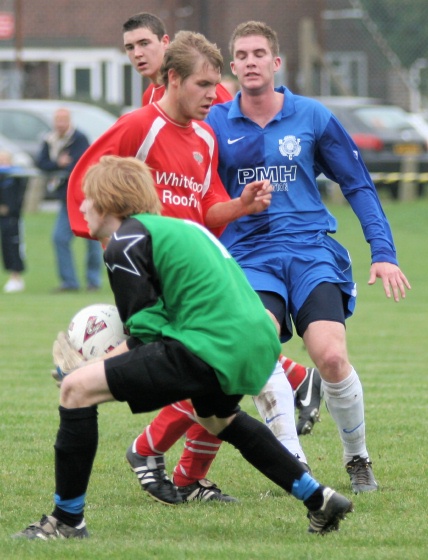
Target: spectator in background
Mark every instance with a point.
(59, 154)
(12, 191)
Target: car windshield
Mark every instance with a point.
(22, 125)
(386, 118)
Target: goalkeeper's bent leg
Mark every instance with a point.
(261, 448)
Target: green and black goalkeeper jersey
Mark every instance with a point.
(172, 278)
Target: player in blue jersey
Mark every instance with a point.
(303, 275)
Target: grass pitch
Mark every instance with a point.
(388, 347)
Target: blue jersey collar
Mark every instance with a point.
(288, 107)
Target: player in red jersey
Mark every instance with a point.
(145, 42)
(182, 154)
(181, 151)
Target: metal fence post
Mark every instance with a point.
(407, 187)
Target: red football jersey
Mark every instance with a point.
(154, 93)
(183, 160)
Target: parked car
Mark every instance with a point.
(386, 137)
(26, 121)
(420, 122)
(19, 157)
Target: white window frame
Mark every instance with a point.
(343, 64)
(69, 60)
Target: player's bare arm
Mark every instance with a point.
(393, 279)
(255, 198)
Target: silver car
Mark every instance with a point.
(26, 121)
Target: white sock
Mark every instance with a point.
(275, 404)
(345, 403)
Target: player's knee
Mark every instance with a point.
(72, 392)
(333, 365)
(215, 425)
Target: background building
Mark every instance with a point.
(73, 49)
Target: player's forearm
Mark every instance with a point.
(222, 213)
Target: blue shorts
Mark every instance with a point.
(295, 268)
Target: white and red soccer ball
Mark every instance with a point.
(95, 330)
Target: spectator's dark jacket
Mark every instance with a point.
(13, 184)
(74, 143)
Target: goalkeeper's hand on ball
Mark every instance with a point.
(65, 357)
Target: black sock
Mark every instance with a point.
(75, 449)
(263, 450)
(314, 502)
(72, 519)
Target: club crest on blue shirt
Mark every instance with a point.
(289, 147)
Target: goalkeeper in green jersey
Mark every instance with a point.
(198, 331)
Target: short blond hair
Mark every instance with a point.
(259, 28)
(184, 52)
(121, 187)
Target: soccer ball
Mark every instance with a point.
(95, 330)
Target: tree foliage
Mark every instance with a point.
(404, 25)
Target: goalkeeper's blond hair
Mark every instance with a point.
(121, 187)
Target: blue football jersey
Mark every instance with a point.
(303, 140)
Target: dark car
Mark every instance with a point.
(389, 142)
(26, 121)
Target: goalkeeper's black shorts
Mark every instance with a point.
(151, 376)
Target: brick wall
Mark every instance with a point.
(97, 23)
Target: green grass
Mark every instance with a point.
(387, 343)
